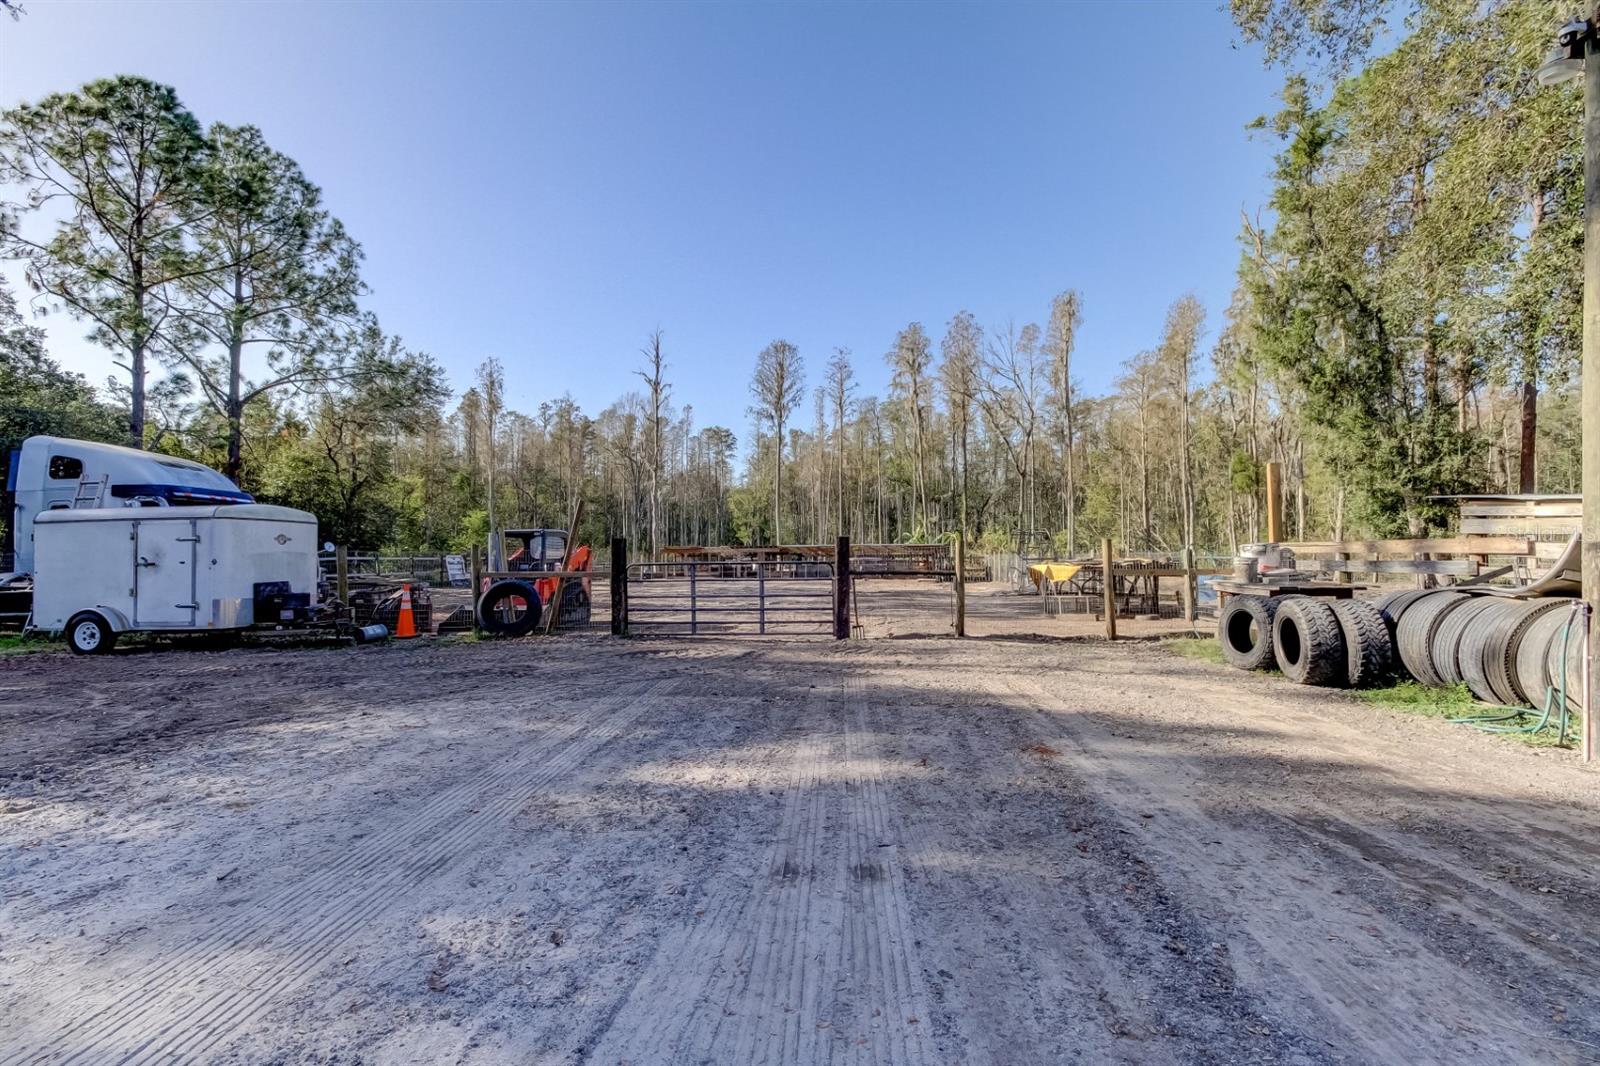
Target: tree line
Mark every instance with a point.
(1404, 326)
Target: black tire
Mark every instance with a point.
(509, 608)
(1571, 638)
(1485, 639)
(1444, 647)
(1369, 651)
(1532, 651)
(1393, 607)
(1244, 629)
(1308, 643)
(1414, 635)
(1498, 662)
(88, 633)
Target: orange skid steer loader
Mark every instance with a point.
(511, 606)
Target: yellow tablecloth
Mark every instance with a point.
(1052, 572)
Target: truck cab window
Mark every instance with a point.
(65, 468)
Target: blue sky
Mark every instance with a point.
(547, 183)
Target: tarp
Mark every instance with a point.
(1052, 572)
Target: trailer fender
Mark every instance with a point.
(119, 621)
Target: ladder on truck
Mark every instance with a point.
(91, 493)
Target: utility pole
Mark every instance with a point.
(1577, 54)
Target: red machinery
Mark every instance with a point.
(505, 607)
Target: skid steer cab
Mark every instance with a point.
(512, 606)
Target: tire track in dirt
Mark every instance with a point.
(699, 968)
(1397, 1001)
(879, 915)
(812, 961)
(174, 1014)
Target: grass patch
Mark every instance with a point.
(17, 644)
(1204, 649)
(1456, 701)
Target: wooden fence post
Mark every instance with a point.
(477, 587)
(1191, 590)
(1274, 502)
(961, 585)
(841, 589)
(1109, 586)
(619, 586)
(341, 570)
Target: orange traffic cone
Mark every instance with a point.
(406, 624)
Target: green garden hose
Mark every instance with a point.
(1554, 696)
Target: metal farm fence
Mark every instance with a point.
(730, 597)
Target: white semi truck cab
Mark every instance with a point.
(105, 540)
(60, 474)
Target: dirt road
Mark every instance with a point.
(582, 850)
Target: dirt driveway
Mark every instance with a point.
(914, 850)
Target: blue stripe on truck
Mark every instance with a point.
(177, 493)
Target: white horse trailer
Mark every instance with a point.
(99, 572)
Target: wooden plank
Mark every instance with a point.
(1527, 527)
(1436, 545)
(1453, 567)
(1557, 509)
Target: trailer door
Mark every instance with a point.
(164, 582)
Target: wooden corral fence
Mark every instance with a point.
(1511, 537)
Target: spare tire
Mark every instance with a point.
(1414, 634)
(1244, 629)
(1369, 652)
(1308, 643)
(1393, 606)
(509, 608)
(1444, 647)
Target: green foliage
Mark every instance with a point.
(117, 163)
(37, 396)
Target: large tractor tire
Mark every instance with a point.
(1369, 651)
(1244, 629)
(1414, 635)
(1444, 647)
(1394, 605)
(1308, 642)
(509, 608)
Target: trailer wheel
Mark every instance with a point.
(509, 608)
(90, 634)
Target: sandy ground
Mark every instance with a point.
(1018, 848)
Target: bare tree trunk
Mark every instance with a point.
(1527, 474)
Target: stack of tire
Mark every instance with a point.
(1312, 640)
(1508, 652)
